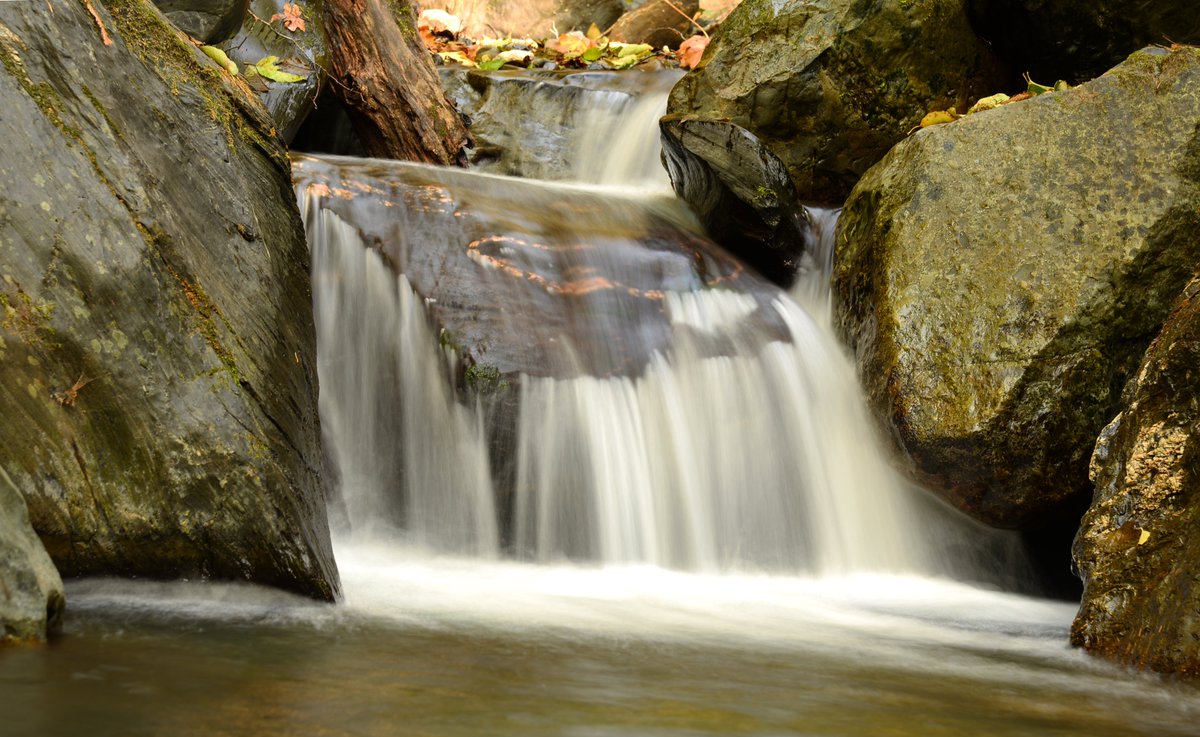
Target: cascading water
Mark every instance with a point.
(739, 442)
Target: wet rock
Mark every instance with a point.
(304, 53)
(156, 336)
(1000, 276)
(210, 21)
(31, 592)
(830, 87)
(530, 123)
(1137, 551)
(658, 23)
(526, 277)
(739, 190)
(1077, 40)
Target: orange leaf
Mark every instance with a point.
(439, 22)
(691, 50)
(290, 17)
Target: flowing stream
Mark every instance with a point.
(670, 517)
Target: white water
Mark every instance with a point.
(762, 458)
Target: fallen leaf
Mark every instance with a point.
(691, 50)
(939, 117)
(988, 103)
(219, 57)
(1143, 537)
(291, 17)
(268, 67)
(570, 45)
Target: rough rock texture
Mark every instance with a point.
(210, 21)
(288, 103)
(1137, 550)
(1000, 276)
(739, 190)
(156, 339)
(31, 592)
(658, 23)
(830, 86)
(1077, 40)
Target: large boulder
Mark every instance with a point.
(31, 592)
(830, 86)
(1077, 40)
(1000, 276)
(1137, 550)
(157, 343)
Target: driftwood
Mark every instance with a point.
(386, 79)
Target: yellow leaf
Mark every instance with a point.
(939, 117)
(1144, 537)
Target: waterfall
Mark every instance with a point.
(741, 441)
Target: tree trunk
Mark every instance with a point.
(383, 74)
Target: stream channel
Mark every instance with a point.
(667, 515)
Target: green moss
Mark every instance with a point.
(485, 378)
(112, 126)
(766, 197)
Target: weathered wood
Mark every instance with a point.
(386, 79)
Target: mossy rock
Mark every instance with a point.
(1000, 276)
(1137, 551)
(156, 338)
(830, 86)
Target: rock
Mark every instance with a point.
(739, 190)
(830, 87)
(31, 592)
(561, 261)
(581, 14)
(210, 21)
(157, 336)
(658, 23)
(1077, 40)
(1137, 551)
(530, 123)
(289, 103)
(1000, 276)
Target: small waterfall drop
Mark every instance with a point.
(740, 443)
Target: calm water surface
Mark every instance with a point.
(427, 646)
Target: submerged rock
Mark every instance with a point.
(1077, 40)
(210, 21)
(156, 336)
(1137, 551)
(1000, 276)
(830, 87)
(31, 592)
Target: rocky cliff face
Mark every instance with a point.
(999, 278)
(1137, 550)
(159, 389)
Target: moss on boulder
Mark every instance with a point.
(1000, 276)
